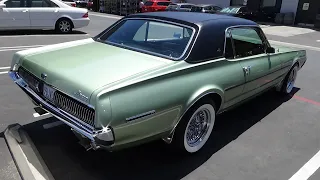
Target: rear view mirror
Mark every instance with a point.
(270, 50)
(2, 6)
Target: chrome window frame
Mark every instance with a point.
(186, 53)
(260, 33)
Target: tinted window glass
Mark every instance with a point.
(151, 36)
(247, 42)
(216, 8)
(41, 3)
(163, 3)
(186, 6)
(148, 3)
(15, 3)
(196, 9)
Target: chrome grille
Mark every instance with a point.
(74, 108)
(60, 100)
(31, 80)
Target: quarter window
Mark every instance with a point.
(247, 42)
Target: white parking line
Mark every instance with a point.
(295, 45)
(308, 169)
(40, 35)
(5, 72)
(17, 48)
(20, 47)
(5, 67)
(99, 15)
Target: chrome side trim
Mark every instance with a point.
(140, 115)
(235, 26)
(73, 122)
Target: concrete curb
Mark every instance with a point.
(29, 163)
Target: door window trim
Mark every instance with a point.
(254, 27)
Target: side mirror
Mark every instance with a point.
(270, 50)
(2, 6)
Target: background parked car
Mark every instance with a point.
(90, 5)
(44, 14)
(82, 3)
(155, 5)
(205, 8)
(70, 2)
(180, 7)
(239, 11)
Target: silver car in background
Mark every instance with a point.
(184, 7)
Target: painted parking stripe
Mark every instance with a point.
(306, 100)
(40, 35)
(295, 45)
(5, 72)
(4, 67)
(308, 169)
(106, 16)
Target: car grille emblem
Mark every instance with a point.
(81, 96)
(44, 76)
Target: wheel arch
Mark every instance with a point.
(214, 93)
(64, 17)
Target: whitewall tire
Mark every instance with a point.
(195, 128)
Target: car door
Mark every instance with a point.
(250, 52)
(15, 15)
(43, 13)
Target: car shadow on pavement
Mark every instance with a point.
(66, 159)
(36, 32)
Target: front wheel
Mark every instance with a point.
(195, 127)
(64, 26)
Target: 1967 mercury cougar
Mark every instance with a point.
(160, 75)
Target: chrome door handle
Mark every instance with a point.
(26, 10)
(246, 69)
(56, 10)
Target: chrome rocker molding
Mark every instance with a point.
(102, 137)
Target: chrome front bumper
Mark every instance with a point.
(98, 137)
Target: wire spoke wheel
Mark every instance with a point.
(199, 128)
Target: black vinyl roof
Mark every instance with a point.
(191, 17)
(210, 28)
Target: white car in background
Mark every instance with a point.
(41, 14)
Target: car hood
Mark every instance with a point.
(86, 65)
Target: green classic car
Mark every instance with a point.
(150, 76)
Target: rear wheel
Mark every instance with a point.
(64, 25)
(195, 127)
(290, 79)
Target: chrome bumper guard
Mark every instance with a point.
(104, 136)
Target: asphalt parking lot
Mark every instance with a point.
(270, 137)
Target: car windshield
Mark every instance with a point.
(233, 10)
(150, 36)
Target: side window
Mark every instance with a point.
(247, 42)
(41, 3)
(228, 49)
(15, 3)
